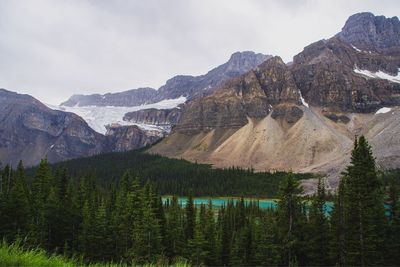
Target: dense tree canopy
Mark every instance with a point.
(124, 220)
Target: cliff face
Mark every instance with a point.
(135, 97)
(330, 74)
(124, 138)
(30, 131)
(249, 96)
(302, 116)
(152, 116)
(372, 33)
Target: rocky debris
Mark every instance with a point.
(287, 113)
(341, 118)
(301, 116)
(124, 138)
(181, 85)
(372, 33)
(152, 116)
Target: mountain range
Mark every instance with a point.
(253, 111)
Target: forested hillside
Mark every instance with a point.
(174, 176)
(123, 221)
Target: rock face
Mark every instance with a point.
(249, 96)
(152, 116)
(198, 86)
(29, 131)
(325, 73)
(134, 97)
(302, 116)
(372, 33)
(182, 85)
(124, 138)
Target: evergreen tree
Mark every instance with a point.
(318, 229)
(266, 242)
(175, 229)
(364, 209)
(290, 220)
(392, 255)
(16, 214)
(190, 218)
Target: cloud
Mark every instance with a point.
(52, 49)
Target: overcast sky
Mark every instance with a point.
(52, 49)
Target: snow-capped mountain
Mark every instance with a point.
(99, 118)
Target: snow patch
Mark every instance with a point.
(303, 101)
(383, 110)
(379, 75)
(98, 117)
(355, 48)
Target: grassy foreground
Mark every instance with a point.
(15, 255)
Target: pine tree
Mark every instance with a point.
(337, 241)
(41, 186)
(266, 242)
(392, 255)
(15, 220)
(289, 220)
(190, 217)
(197, 247)
(175, 229)
(364, 209)
(318, 229)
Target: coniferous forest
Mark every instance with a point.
(123, 219)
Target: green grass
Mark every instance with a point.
(15, 255)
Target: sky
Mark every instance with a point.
(52, 49)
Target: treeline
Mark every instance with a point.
(175, 176)
(126, 222)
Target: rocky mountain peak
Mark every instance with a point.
(246, 60)
(372, 33)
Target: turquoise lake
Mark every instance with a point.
(218, 202)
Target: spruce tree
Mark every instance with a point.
(290, 220)
(318, 229)
(364, 209)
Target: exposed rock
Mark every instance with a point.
(199, 86)
(250, 96)
(126, 138)
(288, 113)
(336, 117)
(134, 97)
(159, 117)
(30, 131)
(181, 85)
(261, 119)
(372, 33)
(325, 73)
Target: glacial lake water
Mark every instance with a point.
(218, 202)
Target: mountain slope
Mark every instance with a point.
(302, 117)
(30, 131)
(181, 85)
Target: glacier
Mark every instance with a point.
(98, 117)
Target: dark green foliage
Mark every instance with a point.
(176, 177)
(358, 219)
(122, 219)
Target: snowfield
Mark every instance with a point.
(383, 110)
(99, 117)
(379, 75)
